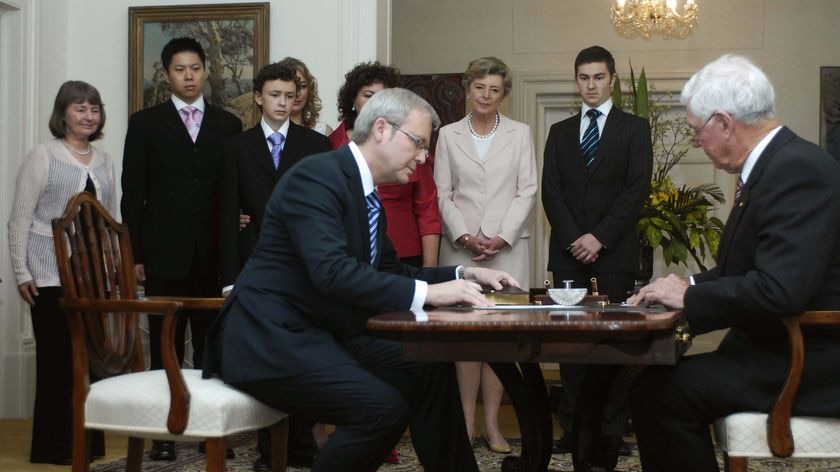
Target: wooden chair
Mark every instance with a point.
(777, 434)
(98, 285)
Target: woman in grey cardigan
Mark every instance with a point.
(53, 172)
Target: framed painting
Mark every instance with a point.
(235, 41)
(830, 110)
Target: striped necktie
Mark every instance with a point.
(739, 188)
(192, 120)
(374, 207)
(589, 143)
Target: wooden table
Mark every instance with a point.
(514, 341)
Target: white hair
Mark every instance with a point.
(732, 84)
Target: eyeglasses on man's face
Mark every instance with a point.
(419, 143)
(695, 138)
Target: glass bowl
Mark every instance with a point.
(567, 296)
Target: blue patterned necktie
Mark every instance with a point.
(374, 207)
(589, 143)
(276, 146)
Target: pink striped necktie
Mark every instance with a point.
(192, 120)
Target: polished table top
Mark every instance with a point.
(581, 334)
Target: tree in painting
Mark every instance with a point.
(230, 54)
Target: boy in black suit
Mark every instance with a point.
(170, 201)
(252, 163)
(596, 177)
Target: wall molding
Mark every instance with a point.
(18, 133)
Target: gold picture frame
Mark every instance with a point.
(830, 109)
(234, 37)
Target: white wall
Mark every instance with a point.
(46, 42)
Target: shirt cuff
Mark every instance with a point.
(691, 280)
(459, 272)
(421, 289)
(226, 288)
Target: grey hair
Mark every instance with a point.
(732, 84)
(394, 105)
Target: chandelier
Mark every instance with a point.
(634, 18)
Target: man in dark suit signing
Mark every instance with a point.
(596, 178)
(292, 332)
(778, 256)
(170, 201)
(252, 163)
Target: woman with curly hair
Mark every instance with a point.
(361, 83)
(307, 105)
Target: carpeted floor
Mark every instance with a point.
(189, 460)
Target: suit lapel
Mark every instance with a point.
(172, 120)
(730, 229)
(502, 139)
(292, 148)
(612, 128)
(258, 152)
(573, 137)
(357, 197)
(209, 123)
(464, 141)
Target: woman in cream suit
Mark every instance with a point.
(486, 177)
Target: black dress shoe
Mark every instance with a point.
(261, 465)
(624, 450)
(299, 460)
(563, 445)
(616, 445)
(162, 451)
(230, 454)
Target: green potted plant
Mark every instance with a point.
(676, 218)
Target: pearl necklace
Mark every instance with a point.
(483, 136)
(76, 150)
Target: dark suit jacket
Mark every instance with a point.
(170, 189)
(604, 200)
(309, 282)
(247, 180)
(779, 255)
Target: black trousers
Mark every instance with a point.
(371, 398)
(195, 284)
(52, 422)
(673, 406)
(615, 285)
(603, 389)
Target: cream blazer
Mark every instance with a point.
(494, 196)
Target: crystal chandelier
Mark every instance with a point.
(634, 18)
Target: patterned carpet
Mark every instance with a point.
(189, 460)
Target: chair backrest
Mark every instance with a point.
(95, 261)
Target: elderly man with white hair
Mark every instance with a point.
(779, 255)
